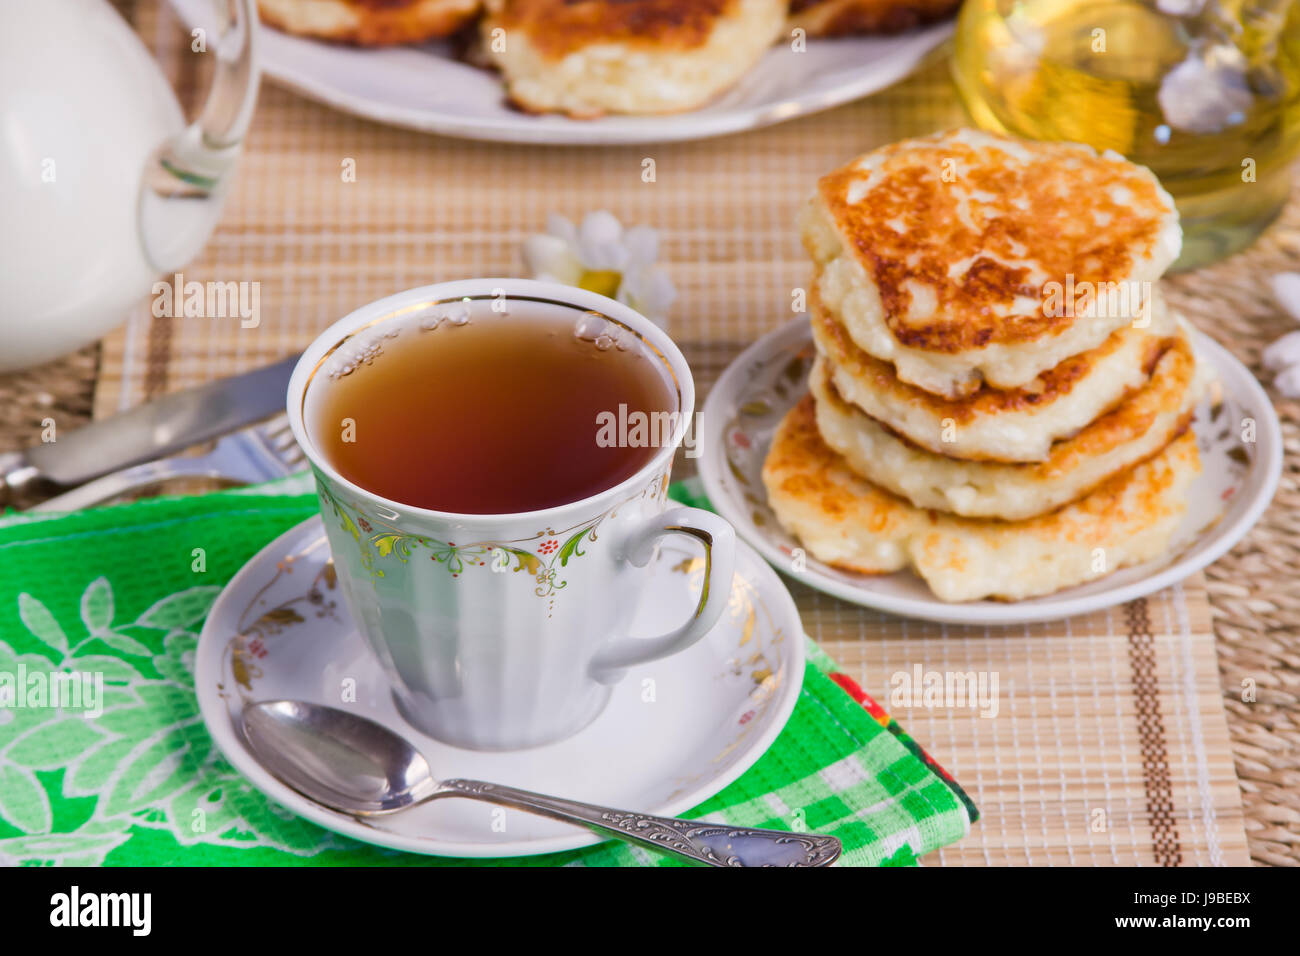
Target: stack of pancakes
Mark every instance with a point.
(1001, 399)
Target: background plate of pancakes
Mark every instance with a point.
(756, 393)
(378, 67)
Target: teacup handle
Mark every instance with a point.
(186, 176)
(719, 540)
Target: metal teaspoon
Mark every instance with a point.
(353, 765)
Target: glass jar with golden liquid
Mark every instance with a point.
(1204, 92)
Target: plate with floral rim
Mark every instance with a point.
(675, 731)
(1239, 439)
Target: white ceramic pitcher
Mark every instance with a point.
(102, 185)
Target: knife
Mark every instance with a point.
(153, 430)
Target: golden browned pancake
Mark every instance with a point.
(849, 523)
(557, 27)
(966, 257)
(995, 424)
(590, 57)
(369, 22)
(1133, 431)
(833, 18)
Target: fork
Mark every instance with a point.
(255, 454)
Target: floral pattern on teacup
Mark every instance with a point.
(543, 555)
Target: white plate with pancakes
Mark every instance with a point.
(428, 87)
(1237, 436)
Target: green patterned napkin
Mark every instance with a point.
(123, 591)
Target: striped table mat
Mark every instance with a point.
(1109, 744)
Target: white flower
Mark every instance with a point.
(601, 256)
(1283, 356)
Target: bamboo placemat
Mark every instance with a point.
(1110, 745)
(1254, 591)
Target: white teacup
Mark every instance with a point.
(514, 633)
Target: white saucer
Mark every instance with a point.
(675, 732)
(427, 88)
(754, 393)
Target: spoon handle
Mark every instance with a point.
(712, 844)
